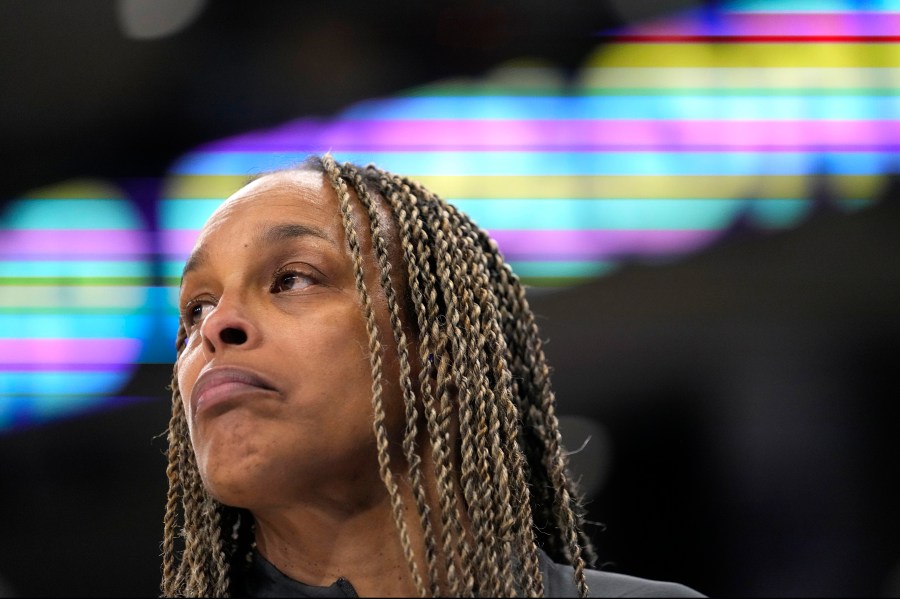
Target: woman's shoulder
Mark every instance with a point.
(559, 581)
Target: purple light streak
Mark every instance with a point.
(77, 244)
(572, 135)
(69, 352)
(542, 244)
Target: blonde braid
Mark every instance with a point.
(219, 567)
(540, 417)
(495, 453)
(343, 194)
(409, 439)
(499, 272)
(203, 568)
(420, 275)
(515, 494)
(471, 431)
(171, 580)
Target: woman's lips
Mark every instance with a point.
(222, 383)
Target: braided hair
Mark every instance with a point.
(502, 485)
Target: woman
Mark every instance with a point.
(361, 405)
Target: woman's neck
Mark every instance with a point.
(318, 542)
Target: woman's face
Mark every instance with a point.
(275, 374)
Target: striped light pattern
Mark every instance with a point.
(669, 133)
(74, 273)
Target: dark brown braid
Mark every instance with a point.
(482, 392)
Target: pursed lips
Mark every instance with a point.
(221, 383)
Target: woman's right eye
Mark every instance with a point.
(195, 311)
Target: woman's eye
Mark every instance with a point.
(196, 311)
(287, 281)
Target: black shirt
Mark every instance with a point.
(262, 579)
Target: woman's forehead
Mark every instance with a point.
(298, 196)
(302, 197)
(307, 189)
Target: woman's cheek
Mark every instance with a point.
(188, 369)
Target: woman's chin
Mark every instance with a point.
(238, 481)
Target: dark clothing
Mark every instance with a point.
(262, 579)
(559, 581)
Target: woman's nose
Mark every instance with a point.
(228, 325)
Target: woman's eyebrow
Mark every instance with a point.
(268, 236)
(197, 258)
(286, 231)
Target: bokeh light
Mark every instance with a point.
(73, 292)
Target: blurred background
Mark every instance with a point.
(702, 197)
